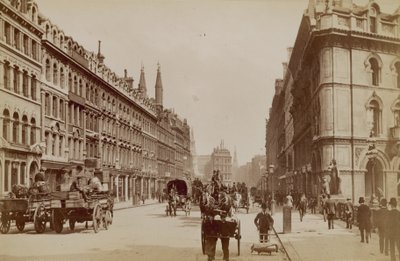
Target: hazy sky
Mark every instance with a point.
(219, 59)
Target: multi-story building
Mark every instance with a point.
(221, 160)
(20, 73)
(62, 107)
(204, 166)
(345, 66)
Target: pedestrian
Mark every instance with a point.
(264, 222)
(330, 209)
(289, 200)
(302, 206)
(393, 228)
(381, 223)
(323, 212)
(364, 220)
(349, 210)
(313, 205)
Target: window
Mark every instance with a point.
(33, 88)
(35, 50)
(47, 104)
(372, 20)
(46, 140)
(62, 78)
(17, 41)
(7, 76)
(26, 44)
(61, 115)
(25, 80)
(69, 82)
(75, 85)
(80, 88)
(24, 138)
(376, 119)
(375, 71)
(22, 173)
(53, 145)
(397, 68)
(54, 106)
(6, 124)
(6, 175)
(55, 74)
(7, 28)
(54, 37)
(48, 70)
(60, 145)
(15, 131)
(33, 14)
(33, 131)
(16, 80)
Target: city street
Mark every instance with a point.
(134, 235)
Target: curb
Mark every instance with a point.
(136, 206)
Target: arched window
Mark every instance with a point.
(55, 74)
(6, 124)
(375, 111)
(48, 68)
(69, 82)
(55, 37)
(54, 109)
(62, 78)
(47, 104)
(61, 109)
(61, 42)
(397, 68)
(75, 85)
(80, 93)
(47, 30)
(24, 137)
(33, 14)
(375, 71)
(87, 92)
(16, 79)
(33, 131)
(15, 130)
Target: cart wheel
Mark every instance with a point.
(57, 221)
(71, 224)
(20, 222)
(238, 237)
(97, 218)
(107, 219)
(5, 223)
(203, 238)
(39, 219)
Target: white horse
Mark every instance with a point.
(237, 198)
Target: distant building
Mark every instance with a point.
(221, 160)
(204, 166)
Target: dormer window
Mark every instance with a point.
(372, 20)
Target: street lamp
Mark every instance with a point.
(372, 154)
(271, 171)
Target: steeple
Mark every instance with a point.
(142, 83)
(99, 55)
(235, 161)
(159, 87)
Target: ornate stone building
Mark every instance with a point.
(221, 160)
(62, 107)
(345, 67)
(20, 106)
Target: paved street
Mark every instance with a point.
(134, 235)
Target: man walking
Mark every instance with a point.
(349, 214)
(393, 229)
(263, 222)
(364, 220)
(323, 200)
(380, 223)
(330, 208)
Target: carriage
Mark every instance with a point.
(241, 200)
(179, 193)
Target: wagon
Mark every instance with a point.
(217, 228)
(34, 209)
(97, 208)
(181, 197)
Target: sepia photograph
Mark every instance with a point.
(200, 130)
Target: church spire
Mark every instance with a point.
(142, 82)
(159, 87)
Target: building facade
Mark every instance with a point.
(345, 68)
(62, 107)
(221, 160)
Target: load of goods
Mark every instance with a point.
(74, 203)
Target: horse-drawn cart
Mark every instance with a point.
(179, 193)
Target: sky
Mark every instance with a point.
(219, 59)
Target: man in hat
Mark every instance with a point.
(349, 213)
(380, 223)
(263, 222)
(364, 220)
(393, 228)
(330, 209)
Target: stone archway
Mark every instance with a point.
(374, 179)
(33, 169)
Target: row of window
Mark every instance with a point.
(19, 131)
(54, 144)
(54, 106)
(20, 82)
(21, 41)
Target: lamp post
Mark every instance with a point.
(372, 154)
(271, 171)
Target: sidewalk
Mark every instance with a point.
(312, 240)
(129, 204)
